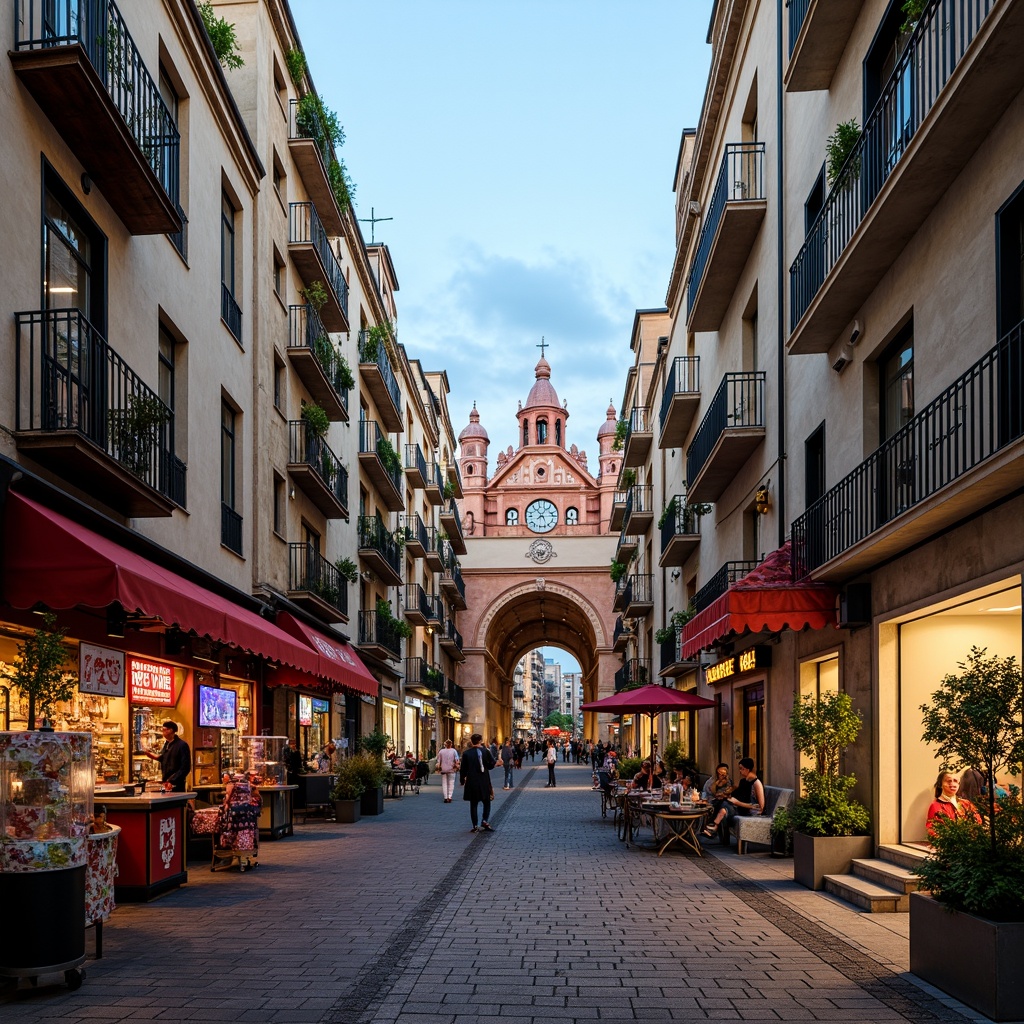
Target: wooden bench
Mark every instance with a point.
(758, 829)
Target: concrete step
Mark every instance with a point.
(867, 895)
(887, 874)
(904, 856)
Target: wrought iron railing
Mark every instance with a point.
(639, 588)
(70, 379)
(304, 122)
(435, 614)
(414, 460)
(452, 634)
(980, 413)
(306, 330)
(414, 531)
(309, 572)
(180, 238)
(683, 379)
(797, 13)
(680, 521)
(721, 582)
(943, 33)
(380, 630)
(373, 350)
(97, 26)
(307, 448)
(375, 535)
(741, 177)
(373, 439)
(304, 226)
(738, 402)
(230, 312)
(636, 424)
(640, 499)
(620, 630)
(634, 672)
(230, 528)
(414, 599)
(672, 649)
(450, 511)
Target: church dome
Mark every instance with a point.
(542, 393)
(474, 431)
(608, 427)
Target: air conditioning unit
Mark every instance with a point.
(843, 359)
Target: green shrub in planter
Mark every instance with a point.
(628, 767)
(349, 783)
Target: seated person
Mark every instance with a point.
(409, 762)
(608, 772)
(948, 803)
(718, 787)
(747, 799)
(647, 778)
(325, 757)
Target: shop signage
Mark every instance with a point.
(151, 682)
(747, 661)
(305, 710)
(100, 670)
(321, 707)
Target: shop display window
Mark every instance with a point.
(262, 758)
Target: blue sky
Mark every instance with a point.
(525, 149)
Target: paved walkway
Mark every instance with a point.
(411, 919)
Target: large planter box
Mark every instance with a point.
(817, 856)
(990, 979)
(372, 801)
(346, 811)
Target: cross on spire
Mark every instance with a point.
(373, 220)
(542, 346)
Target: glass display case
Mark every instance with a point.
(46, 793)
(263, 758)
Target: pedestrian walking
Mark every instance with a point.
(475, 775)
(508, 759)
(551, 757)
(448, 765)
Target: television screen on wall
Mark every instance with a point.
(218, 709)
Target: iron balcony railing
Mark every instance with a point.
(634, 672)
(97, 26)
(453, 469)
(435, 612)
(639, 499)
(741, 177)
(305, 122)
(452, 633)
(306, 330)
(415, 599)
(307, 448)
(373, 350)
(414, 460)
(381, 631)
(451, 510)
(980, 413)
(420, 673)
(180, 238)
(721, 582)
(414, 530)
(681, 520)
(942, 35)
(672, 649)
(636, 424)
(70, 379)
(797, 13)
(309, 572)
(373, 439)
(374, 534)
(620, 630)
(738, 402)
(453, 693)
(230, 528)
(621, 497)
(639, 588)
(304, 226)
(230, 312)
(683, 379)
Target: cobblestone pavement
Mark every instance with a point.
(411, 919)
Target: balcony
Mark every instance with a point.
(619, 599)
(415, 465)
(311, 252)
(86, 415)
(317, 471)
(378, 378)
(680, 402)
(230, 528)
(621, 636)
(729, 574)
(634, 672)
(313, 155)
(636, 447)
(453, 480)
(950, 86)
(453, 693)
(819, 31)
(728, 435)
(451, 523)
(434, 485)
(639, 596)
(231, 312)
(415, 604)
(322, 370)
(452, 584)
(432, 550)
(415, 533)
(618, 514)
(451, 640)
(379, 551)
(959, 454)
(316, 584)
(422, 678)
(378, 637)
(731, 223)
(78, 61)
(680, 532)
(379, 461)
(639, 511)
(435, 611)
(672, 662)
(625, 547)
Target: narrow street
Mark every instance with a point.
(410, 918)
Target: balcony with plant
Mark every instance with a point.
(316, 583)
(379, 550)
(417, 540)
(636, 443)
(451, 523)
(635, 672)
(314, 136)
(381, 634)
(680, 530)
(323, 370)
(314, 467)
(381, 464)
(309, 247)
(378, 375)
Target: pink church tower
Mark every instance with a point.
(473, 445)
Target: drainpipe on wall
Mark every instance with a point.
(781, 298)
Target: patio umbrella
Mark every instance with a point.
(649, 700)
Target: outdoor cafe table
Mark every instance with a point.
(681, 824)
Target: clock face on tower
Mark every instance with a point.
(541, 516)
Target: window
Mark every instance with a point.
(173, 164)
(279, 505)
(1010, 268)
(228, 419)
(511, 517)
(165, 373)
(73, 256)
(558, 433)
(279, 179)
(279, 274)
(814, 466)
(230, 311)
(526, 431)
(469, 471)
(542, 431)
(280, 87)
(278, 383)
(572, 517)
(896, 380)
(751, 535)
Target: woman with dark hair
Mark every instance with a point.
(948, 803)
(647, 778)
(747, 798)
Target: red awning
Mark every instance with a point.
(766, 599)
(52, 559)
(338, 662)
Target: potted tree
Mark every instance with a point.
(373, 771)
(829, 828)
(43, 671)
(347, 792)
(976, 873)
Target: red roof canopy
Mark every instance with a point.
(338, 662)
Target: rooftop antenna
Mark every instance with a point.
(373, 220)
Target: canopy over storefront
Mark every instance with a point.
(338, 663)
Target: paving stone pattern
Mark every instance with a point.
(411, 919)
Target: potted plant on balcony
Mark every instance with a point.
(976, 873)
(829, 828)
(348, 791)
(373, 339)
(315, 295)
(435, 679)
(347, 569)
(343, 378)
(316, 420)
(838, 147)
(42, 670)
(617, 570)
(621, 429)
(387, 455)
(133, 433)
(296, 61)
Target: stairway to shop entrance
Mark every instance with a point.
(882, 884)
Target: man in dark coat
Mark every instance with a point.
(475, 776)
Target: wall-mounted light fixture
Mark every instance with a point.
(762, 499)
